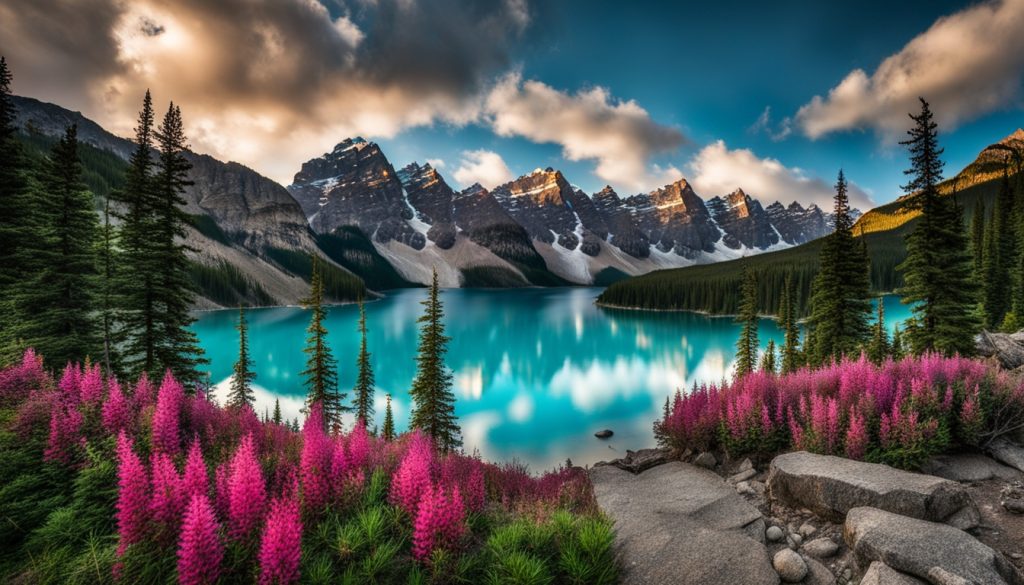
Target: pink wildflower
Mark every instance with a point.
(281, 545)
(316, 465)
(200, 551)
(439, 522)
(132, 495)
(412, 479)
(65, 429)
(116, 414)
(167, 417)
(246, 491)
(856, 436)
(196, 481)
(91, 385)
(167, 503)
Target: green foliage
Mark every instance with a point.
(491, 277)
(387, 431)
(364, 389)
(241, 394)
(791, 358)
(337, 283)
(879, 347)
(609, 276)
(226, 285)
(207, 226)
(433, 401)
(746, 346)
(321, 373)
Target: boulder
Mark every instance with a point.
(790, 566)
(1008, 452)
(606, 433)
(882, 574)
(818, 574)
(968, 468)
(821, 548)
(1006, 347)
(642, 460)
(677, 524)
(831, 486)
(705, 460)
(932, 551)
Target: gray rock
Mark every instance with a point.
(882, 574)
(705, 460)
(1007, 348)
(604, 434)
(742, 475)
(676, 523)
(774, 534)
(1011, 497)
(642, 460)
(796, 538)
(932, 551)
(968, 467)
(818, 574)
(807, 529)
(821, 548)
(831, 486)
(745, 465)
(790, 566)
(1007, 452)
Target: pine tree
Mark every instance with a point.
(177, 345)
(746, 346)
(110, 336)
(767, 363)
(241, 393)
(878, 348)
(321, 371)
(388, 431)
(433, 401)
(15, 221)
(840, 303)
(56, 304)
(791, 346)
(978, 237)
(1000, 256)
(937, 272)
(277, 411)
(363, 392)
(896, 349)
(136, 277)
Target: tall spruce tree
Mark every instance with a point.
(15, 221)
(277, 411)
(363, 392)
(1000, 256)
(110, 335)
(937, 272)
(747, 345)
(978, 238)
(840, 304)
(136, 277)
(790, 355)
(56, 303)
(896, 348)
(177, 345)
(433, 408)
(767, 363)
(879, 348)
(321, 373)
(240, 394)
(387, 432)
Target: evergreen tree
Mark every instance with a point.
(433, 402)
(768, 359)
(110, 337)
(896, 349)
(277, 411)
(1000, 256)
(363, 393)
(878, 348)
(241, 393)
(136, 277)
(56, 303)
(388, 431)
(746, 346)
(978, 237)
(938, 268)
(321, 371)
(791, 345)
(840, 303)
(177, 345)
(15, 221)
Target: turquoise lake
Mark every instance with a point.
(537, 371)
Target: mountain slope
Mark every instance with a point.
(238, 217)
(714, 288)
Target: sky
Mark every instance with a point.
(771, 97)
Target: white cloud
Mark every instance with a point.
(966, 65)
(589, 125)
(775, 131)
(437, 163)
(482, 166)
(717, 170)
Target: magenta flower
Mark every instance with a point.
(16, 382)
(856, 436)
(281, 545)
(200, 551)
(360, 447)
(316, 463)
(247, 492)
(439, 522)
(196, 480)
(142, 394)
(70, 382)
(132, 495)
(167, 503)
(413, 477)
(91, 385)
(65, 433)
(116, 414)
(167, 416)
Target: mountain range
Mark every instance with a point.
(389, 227)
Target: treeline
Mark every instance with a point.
(223, 283)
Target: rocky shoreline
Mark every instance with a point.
(813, 519)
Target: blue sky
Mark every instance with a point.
(770, 97)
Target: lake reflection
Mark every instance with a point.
(536, 371)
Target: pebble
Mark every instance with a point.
(807, 529)
(790, 566)
(821, 548)
(743, 476)
(746, 465)
(774, 534)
